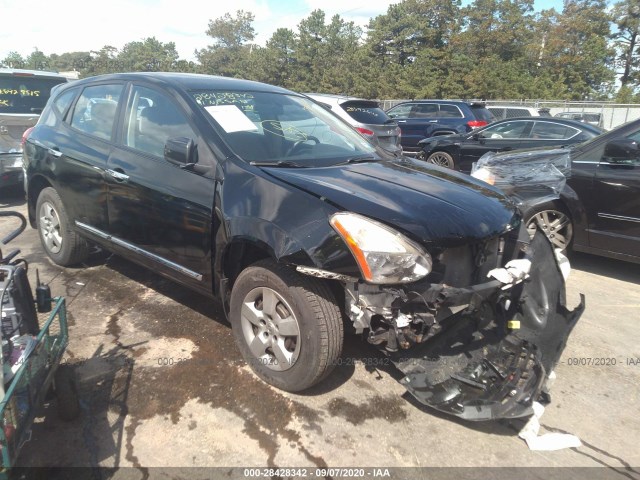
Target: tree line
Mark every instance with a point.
(489, 49)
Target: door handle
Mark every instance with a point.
(55, 151)
(118, 175)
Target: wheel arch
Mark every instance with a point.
(35, 186)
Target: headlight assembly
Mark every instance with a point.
(383, 255)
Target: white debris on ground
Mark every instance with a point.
(548, 441)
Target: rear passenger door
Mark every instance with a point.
(157, 210)
(86, 143)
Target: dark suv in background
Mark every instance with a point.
(420, 119)
(23, 95)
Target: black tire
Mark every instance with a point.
(68, 405)
(558, 228)
(63, 245)
(312, 354)
(442, 159)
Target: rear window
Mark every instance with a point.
(25, 94)
(366, 112)
(482, 113)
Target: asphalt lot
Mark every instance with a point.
(162, 385)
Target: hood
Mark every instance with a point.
(435, 206)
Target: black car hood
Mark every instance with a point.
(436, 206)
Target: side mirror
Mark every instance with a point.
(180, 151)
(476, 137)
(621, 150)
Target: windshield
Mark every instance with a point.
(23, 94)
(270, 128)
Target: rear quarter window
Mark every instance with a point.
(24, 94)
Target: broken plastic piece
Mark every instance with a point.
(563, 263)
(548, 441)
(513, 272)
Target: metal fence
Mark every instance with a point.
(613, 114)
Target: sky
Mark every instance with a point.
(81, 25)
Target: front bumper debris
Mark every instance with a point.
(499, 369)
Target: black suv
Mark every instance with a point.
(269, 202)
(420, 119)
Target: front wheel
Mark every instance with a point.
(443, 159)
(555, 223)
(63, 245)
(287, 326)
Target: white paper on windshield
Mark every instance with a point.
(231, 118)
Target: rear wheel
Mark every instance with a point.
(63, 245)
(287, 326)
(555, 223)
(443, 159)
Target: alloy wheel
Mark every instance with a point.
(50, 227)
(270, 329)
(441, 159)
(555, 225)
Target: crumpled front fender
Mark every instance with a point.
(499, 369)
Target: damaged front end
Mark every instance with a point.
(480, 335)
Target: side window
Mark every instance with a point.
(424, 110)
(506, 130)
(552, 131)
(634, 136)
(95, 111)
(450, 111)
(400, 111)
(152, 118)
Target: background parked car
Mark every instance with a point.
(420, 119)
(501, 112)
(599, 208)
(460, 151)
(585, 117)
(366, 116)
(23, 95)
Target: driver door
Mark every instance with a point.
(494, 138)
(157, 210)
(617, 186)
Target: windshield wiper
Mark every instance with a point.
(281, 164)
(359, 159)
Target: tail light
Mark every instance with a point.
(25, 135)
(398, 132)
(365, 131)
(477, 123)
